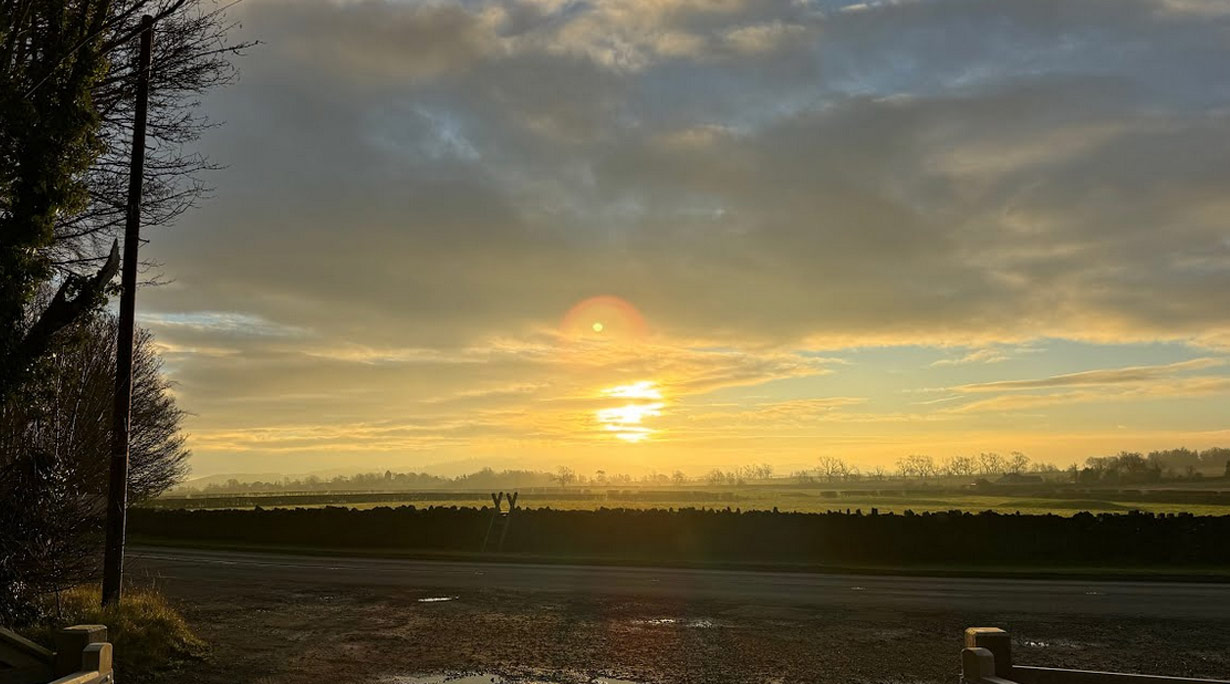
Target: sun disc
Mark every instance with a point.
(606, 315)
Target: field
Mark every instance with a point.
(1213, 499)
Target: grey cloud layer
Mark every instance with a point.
(430, 174)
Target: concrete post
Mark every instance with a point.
(97, 657)
(976, 665)
(997, 642)
(71, 643)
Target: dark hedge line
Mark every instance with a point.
(949, 538)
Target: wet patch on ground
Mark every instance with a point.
(694, 623)
(487, 678)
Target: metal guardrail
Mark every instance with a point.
(987, 659)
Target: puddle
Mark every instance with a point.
(447, 679)
(485, 678)
(438, 599)
(1055, 643)
(699, 623)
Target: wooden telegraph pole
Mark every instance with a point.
(117, 500)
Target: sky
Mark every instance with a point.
(641, 235)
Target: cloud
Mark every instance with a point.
(217, 322)
(764, 38)
(984, 355)
(415, 193)
(1186, 387)
(1137, 383)
(373, 41)
(828, 194)
(303, 397)
(1111, 376)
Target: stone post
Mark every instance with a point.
(71, 649)
(97, 658)
(977, 664)
(997, 642)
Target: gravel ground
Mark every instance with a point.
(315, 634)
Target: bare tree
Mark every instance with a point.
(55, 452)
(832, 468)
(991, 463)
(916, 465)
(565, 476)
(1017, 462)
(192, 54)
(68, 418)
(959, 466)
(66, 112)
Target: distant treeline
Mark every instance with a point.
(388, 481)
(1122, 468)
(689, 535)
(1133, 467)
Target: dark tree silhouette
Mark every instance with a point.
(54, 455)
(66, 99)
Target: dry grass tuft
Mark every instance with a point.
(148, 634)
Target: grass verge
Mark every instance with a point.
(148, 634)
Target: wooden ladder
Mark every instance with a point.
(504, 518)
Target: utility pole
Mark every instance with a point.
(117, 499)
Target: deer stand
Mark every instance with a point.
(501, 517)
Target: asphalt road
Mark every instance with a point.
(247, 570)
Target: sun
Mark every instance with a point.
(611, 318)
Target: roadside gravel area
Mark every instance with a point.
(318, 634)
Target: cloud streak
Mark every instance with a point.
(1110, 376)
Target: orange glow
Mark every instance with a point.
(603, 317)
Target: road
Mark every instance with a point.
(1151, 600)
